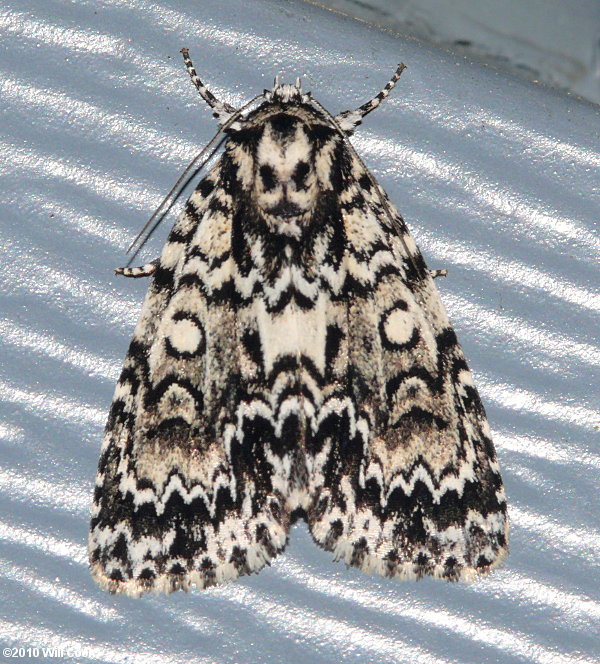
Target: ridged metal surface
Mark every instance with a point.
(497, 179)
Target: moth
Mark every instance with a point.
(293, 359)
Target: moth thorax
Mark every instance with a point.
(285, 183)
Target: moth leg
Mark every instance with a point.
(222, 110)
(137, 272)
(349, 120)
(438, 273)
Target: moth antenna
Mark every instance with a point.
(349, 120)
(160, 212)
(222, 110)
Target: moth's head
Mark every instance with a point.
(285, 184)
(282, 150)
(285, 93)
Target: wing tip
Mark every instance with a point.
(471, 564)
(410, 571)
(165, 584)
(111, 575)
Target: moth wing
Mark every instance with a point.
(179, 496)
(409, 485)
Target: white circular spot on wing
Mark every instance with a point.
(399, 326)
(185, 336)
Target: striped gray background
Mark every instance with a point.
(497, 179)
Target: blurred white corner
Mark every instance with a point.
(553, 41)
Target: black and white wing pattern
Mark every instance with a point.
(409, 484)
(184, 492)
(293, 359)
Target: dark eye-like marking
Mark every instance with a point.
(299, 176)
(267, 175)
